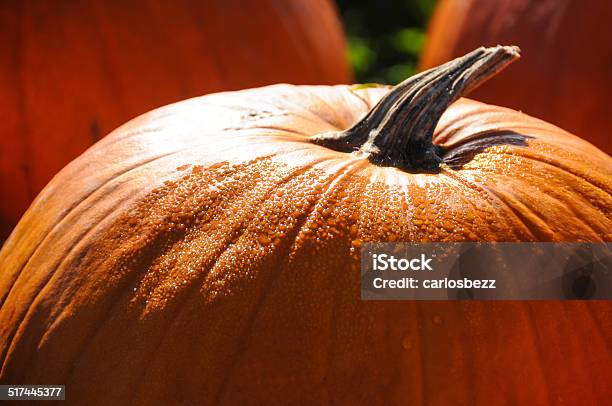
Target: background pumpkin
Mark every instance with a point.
(207, 252)
(565, 77)
(73, 71)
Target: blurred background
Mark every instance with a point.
(72, 71)
(385, 38)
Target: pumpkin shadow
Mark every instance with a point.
(458, 155)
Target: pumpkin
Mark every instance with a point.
(73, 71)
(208, 252)
(565, 78)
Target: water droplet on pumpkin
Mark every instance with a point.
(407, 343)
(264, 239)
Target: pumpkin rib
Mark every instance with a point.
(535, 339)
(584, 177)
(578, 215)
(310, 93)
(467, 185)
(117, 301)
(594, 236)
(449, 127)
(6, 355)
(248, 331)
(527, 216)
(522, 218)
(525, 318)
(183, 310)
(334, 314)
(598, 322)
(363, 100)
(48, 279)
(102, 325)
(117, 136)
(332, 127)
(272, 128)
(51, 275)
(534, 225)
(350, 169)
(193, 289)
(264, 105)
(568, 141)
(556, 164)
(67, 213)
(356, 93)
(296, 131)
(568, 314)
(484, 188)
(480, 186)
(114, 178)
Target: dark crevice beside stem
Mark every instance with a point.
(398, 130)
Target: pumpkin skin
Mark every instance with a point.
(74, 71)
(206, 253)
(565, 75)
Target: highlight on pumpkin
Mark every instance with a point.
(269, 233)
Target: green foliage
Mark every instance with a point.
(385, 37)
(409, 40)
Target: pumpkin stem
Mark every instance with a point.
(398, 130)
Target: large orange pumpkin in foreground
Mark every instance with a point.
(207, 252)
(73, 71)
(566, 76)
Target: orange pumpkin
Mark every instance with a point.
(565, 78)
(207, 252)
(73, 71)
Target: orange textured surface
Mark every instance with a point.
(565, 75)
(206, 252)
(74, 71)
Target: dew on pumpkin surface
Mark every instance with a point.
(407, 343)
(214, 213)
